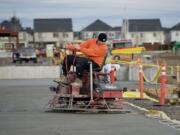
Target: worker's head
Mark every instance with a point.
(102, 38)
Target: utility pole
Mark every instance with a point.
(126, 28)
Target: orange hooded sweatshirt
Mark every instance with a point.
(94, 51)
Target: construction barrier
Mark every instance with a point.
(160, 73)
(112, 75)
(141, 81)
(163, 85)
(171, 71)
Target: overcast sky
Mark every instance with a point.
(84, 12)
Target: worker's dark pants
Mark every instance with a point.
(81, 64)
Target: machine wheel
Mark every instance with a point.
(20, 61)
(116, 57)
(35, 60)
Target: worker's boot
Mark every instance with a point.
(62, 79)
(77, 82)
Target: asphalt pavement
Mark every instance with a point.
(22, 112)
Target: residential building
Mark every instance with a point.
(143, 31)
(175, 33)
(98, 26)
(115, 33)
(53, 31)
(14, 35)
(26, 37)
(167, 35)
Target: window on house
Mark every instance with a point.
(141, 35)
(132, 35)
(8, 46)
(154, 34)
(177, 34)
(39, 35)
(55, 34)
(95, 35)
(86, 35)
(111, 34)
(65, 35)
(117, 33)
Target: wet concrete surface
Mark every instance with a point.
(22, 113)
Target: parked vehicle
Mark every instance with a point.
(40, 52)
(15, 56)
(25, 54)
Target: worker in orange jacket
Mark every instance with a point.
(95, 51)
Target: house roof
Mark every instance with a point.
(98, 25)
(53, 25)
(137, 25)
(117, 28)
(176, 27)
(165, 29)
(28, 30)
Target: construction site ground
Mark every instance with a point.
(150, 102)
(173, 111)
(22, 111)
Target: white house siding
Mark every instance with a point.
(114, 35)
(175, 36)
(86, 35)
(6, 40)
(49, 37)
(24, 38)
(147, 37)
(89, 34)
(110, 34)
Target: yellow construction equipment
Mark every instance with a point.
(125, 50)
(131, 50)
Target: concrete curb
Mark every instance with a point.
(29, 72)
(154, 113)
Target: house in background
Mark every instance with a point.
(52, 31)
(98, 26)
(114, 33)
(24, 36)
(143, 31)
(175, 33)
(167, 35)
